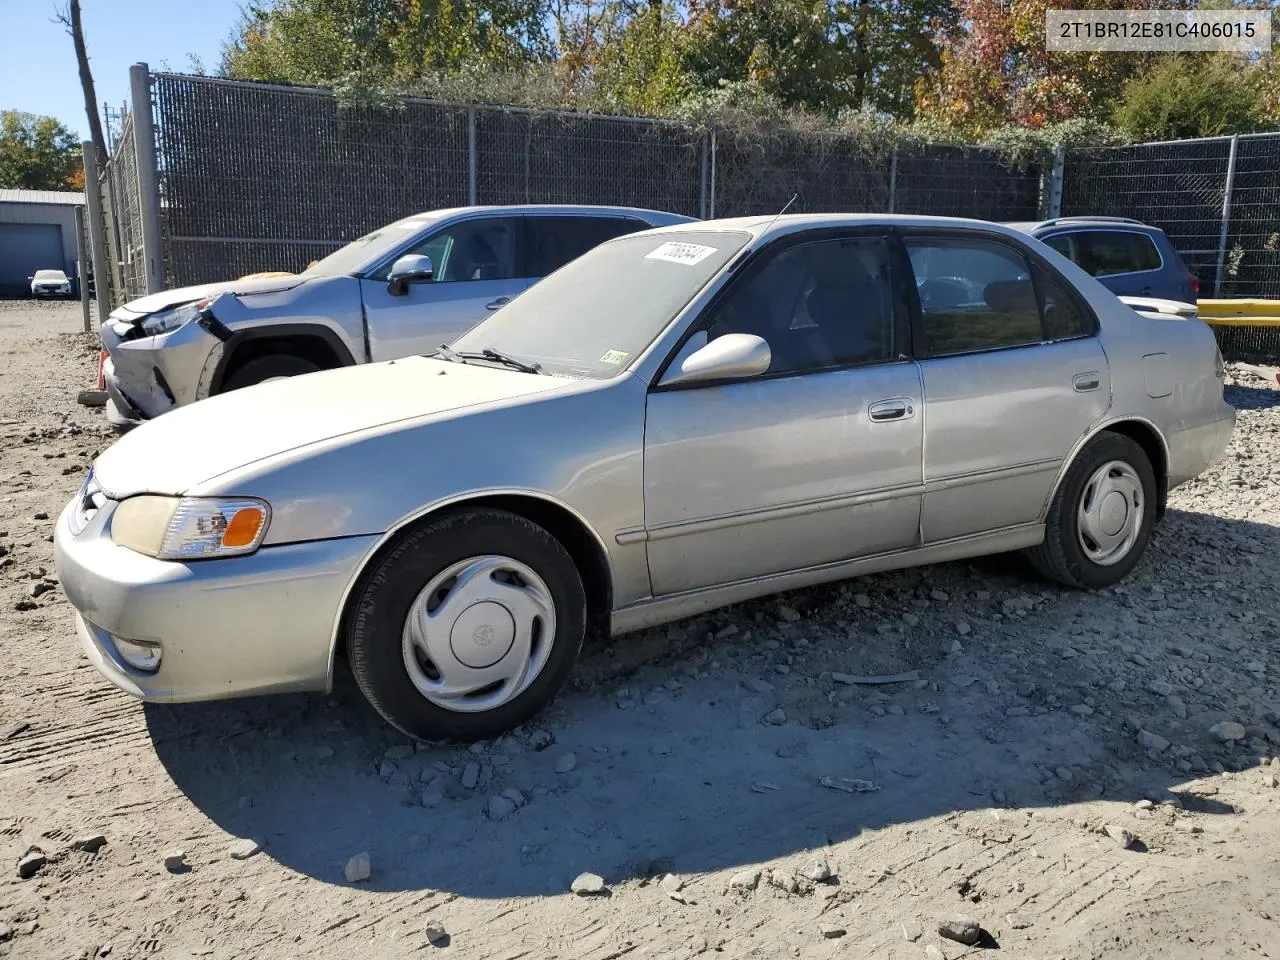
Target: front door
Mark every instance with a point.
(477, 269)
(1013, 377)
(816, 461)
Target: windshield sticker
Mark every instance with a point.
(615, 357)
(686, 253)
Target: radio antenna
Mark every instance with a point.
(782, 211)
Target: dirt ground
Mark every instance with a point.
(712, 773)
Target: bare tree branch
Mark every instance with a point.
(69, 17)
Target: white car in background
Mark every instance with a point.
(50, 283)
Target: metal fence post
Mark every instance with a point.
(144, 139)
(97, 231)
(471, 156)
(702, 179)
(1226, 217)
(711, 193)
(1056, 176)
(893, 179)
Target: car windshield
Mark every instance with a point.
(361, 254)
(593, 316)
(50, 275)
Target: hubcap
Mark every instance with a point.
(478, 634)
(1110, 514)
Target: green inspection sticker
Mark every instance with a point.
(614, 357)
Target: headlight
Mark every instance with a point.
(167, 320)
(190, 528)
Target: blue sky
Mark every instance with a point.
(38, 63)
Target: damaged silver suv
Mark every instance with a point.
(401, 290)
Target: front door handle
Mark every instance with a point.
(899, 408)
(495, 304)
(1084, 382)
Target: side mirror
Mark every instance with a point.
(411, 268)
(728, 357)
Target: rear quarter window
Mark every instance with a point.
(1105, 253)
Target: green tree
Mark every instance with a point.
(823, 55)
(38, 153)
(1193, 95)
(381, 41)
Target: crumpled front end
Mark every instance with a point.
(145, 376)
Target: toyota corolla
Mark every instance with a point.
(681, 419)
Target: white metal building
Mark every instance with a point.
(37, 232)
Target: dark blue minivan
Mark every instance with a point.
(1129, 257)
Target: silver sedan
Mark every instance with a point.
(681, 419)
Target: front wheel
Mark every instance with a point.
(274, 366)
(1100, 520)
(467, 626)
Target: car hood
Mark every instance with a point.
(195, 443)
(145, 306)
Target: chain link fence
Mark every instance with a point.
(122, 203)
(262, 177)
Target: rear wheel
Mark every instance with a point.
(1100, 520)
(467, 626)
(275, 366)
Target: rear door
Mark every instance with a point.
(1013, 376)
(478, 265)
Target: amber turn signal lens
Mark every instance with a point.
(243, 528)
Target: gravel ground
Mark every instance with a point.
(1080, 775)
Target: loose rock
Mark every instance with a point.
(500, 808)
(1228, 731)
(789, 614)
(816, 870)
(831, 931)
(471, 775)
(89, 842)
(776, 717)
(359, 868)
(784, 881)
(961, 929)
(175, 861)
(31, 863)
(587, 885)
(435, 932)
(1121, 836)
(746, 880)
(1017, 921)
(1152, 741)
(566, 763)
(244, 849)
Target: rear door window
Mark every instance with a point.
(974, 295)
(554, 241)
(1105, 253)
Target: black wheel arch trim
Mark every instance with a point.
(276, 331)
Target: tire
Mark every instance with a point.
(268, 368)
(387, 647)
(1079, 560)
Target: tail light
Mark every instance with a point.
(102, 360)
(1195, 285)
(1219, 368)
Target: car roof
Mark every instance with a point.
(654, 216)
(770, 226)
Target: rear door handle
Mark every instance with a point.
(898, 408)
(495, 304)
(1084, 382)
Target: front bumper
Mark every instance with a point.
(148, 376)
(227, 628)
